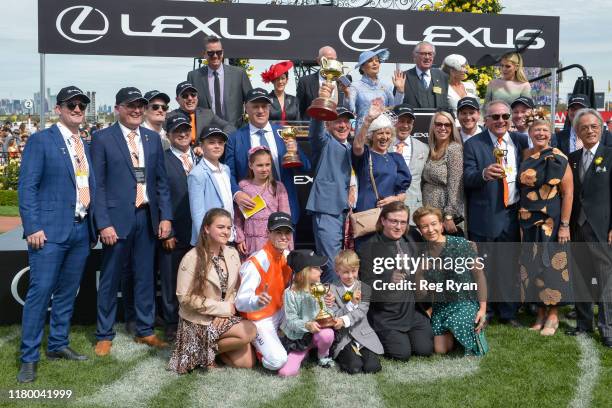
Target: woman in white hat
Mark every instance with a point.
(456, 67)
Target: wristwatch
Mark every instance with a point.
(565, 224)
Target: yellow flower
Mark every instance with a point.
(457, 10)
(465, 6)
(598, 161)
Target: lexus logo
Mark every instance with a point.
(361, 33)
(75, 32)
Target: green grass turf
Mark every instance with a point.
(9, 211)
(523, 369)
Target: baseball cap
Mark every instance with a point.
(212, 131)
(129, 94)
(70, 92)
(156, 94)
(403, 109)
(175, 121)
(303, 258)
(342, 111)
(279, 220)
(468, 101)
(183, 86)
(579, 99)
(257, 94)
(525, 100)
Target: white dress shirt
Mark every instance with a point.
(225, 187)
(465, 136)
(81, 180)
(141, 155)
(406, 151)
(271, 142)
(427, 75)
(179, 154)
(509, 165)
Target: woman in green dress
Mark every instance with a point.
(547, 190)
(459, 311)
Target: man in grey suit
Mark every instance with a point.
(414, 151)
(222, 88)
(426, 87)
(187, 97)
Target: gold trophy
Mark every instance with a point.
(291, 158)
(499, 158)
(325, 108)
(324, 318)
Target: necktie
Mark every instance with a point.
(399, 147)
(217, 86)
(82, 169)
(585, 163)
(186, 163)
(424, 79)
(504, 180)
(264, 142)
(193, 127)
(135, 163)
(579, 144)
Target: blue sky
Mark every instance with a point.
(584, 40)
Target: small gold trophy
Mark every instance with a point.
(291, 158)
(325, 108)
(499, 158)
(324, 318)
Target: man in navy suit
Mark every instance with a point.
(56, 202)
(134, 205)
(492, 193)
(259, 132)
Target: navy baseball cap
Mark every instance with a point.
(129, 94)
(149, 96)
(183, 86)
(403, 109)
(579, 99)
(303, 258)
(525, 100)
(468, 101)
(342, 111)
(174, 121)
(257, 94)
(70, 92)
(212, 131)
(279, 220)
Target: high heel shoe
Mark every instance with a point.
(550, 328)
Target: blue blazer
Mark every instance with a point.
(116, 180)
(204, 194)
(47, 187)
(485, 199)
(329, 192)
(236, 157)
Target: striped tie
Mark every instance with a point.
(82, 168)
(135, 162)
(500, 140)
(186, 163)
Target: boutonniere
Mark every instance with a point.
(598, 160)
(348, 296)
(599, 169)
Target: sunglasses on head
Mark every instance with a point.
(497, 116)
(156, 106)
(72, 105)
(211, 54)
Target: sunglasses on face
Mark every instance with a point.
(72, 105)
(156, 106)
(497, 116)
(443, 124)
(211, 54)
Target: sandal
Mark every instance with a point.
(550, 328)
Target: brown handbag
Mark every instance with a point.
(364, 222)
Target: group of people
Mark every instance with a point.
(214, 201)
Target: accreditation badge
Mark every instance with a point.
(437, 90)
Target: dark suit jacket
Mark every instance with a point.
(561, 140)
(485, 199)
(292, 111)
(179, 195)
(594, 196)
(236, 157)
(439, 79)
(47, 187)
(308, 91)
(206, 117)
(116, 180)
(236, 84)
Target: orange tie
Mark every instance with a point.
(82, 168)
(135, 163)
(193, 127)
(186, 163)
(399, 148)
(504, 180)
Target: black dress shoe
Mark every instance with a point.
(578, 330)
(607, 341)
(27, 372)
(67, 354)
(511, 322)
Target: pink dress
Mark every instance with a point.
(254, 231)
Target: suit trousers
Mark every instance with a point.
(593, 260)
(328, 234)
(401, 345)
(138, 249)
(55, 275)
(168, 263)
(351, 363)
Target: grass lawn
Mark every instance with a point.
(523, 369)
(9, 211)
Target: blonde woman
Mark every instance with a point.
(513, 82)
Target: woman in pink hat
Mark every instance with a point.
(284, 106)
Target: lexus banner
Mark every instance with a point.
(176, 28)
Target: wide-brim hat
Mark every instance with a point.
(275, 71)
(382, 54)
